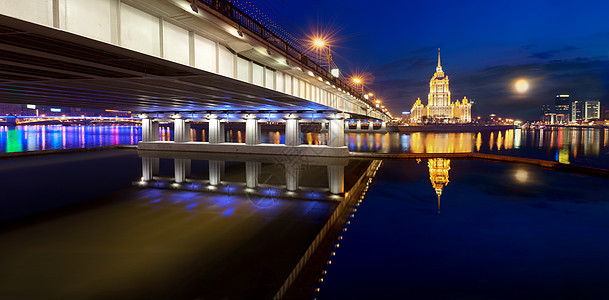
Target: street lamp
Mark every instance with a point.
(320, 45)
(359, 82)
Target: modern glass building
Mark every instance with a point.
(562, 105)
(577, 110)
(592, 110)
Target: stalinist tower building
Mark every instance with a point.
(439, 108)
(438, 100)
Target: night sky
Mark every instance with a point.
(561, 47)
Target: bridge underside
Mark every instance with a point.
(44, 66)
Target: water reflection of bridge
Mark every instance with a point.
(285, 176)
(265, 180)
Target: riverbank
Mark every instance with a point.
(448, 128)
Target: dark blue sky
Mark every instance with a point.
(561, 47)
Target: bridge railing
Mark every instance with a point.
(227, 9)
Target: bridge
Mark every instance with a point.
(178, 61)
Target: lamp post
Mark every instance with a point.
(358, 81)
(319, 44)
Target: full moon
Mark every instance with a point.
(522, 85)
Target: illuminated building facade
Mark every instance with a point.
(439, 107)
(417, 112)
(561, 108)
(577, 110)
(592, 110)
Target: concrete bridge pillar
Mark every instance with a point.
(215, 171)
(147, 129)
(181, 129)
(252, 170)
(322, 133)
(346, 124)
(384, 126)
(370, 125)
(336, 179)
(292, 130)
(358, 125)
(216, 130)
(336, 132)
(154, 130)
(292, 176)
(182, 169)
(187, 137)
(252, 130)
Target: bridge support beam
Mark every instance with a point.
(384, 126)
(147, 130)
(336, 179)
(370, 125)
(181, 129)
(336, 132)
(216, 130)
(252, 130)
(292, 130)
(358, 125)
(154, 130)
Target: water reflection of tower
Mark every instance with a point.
(438, 175)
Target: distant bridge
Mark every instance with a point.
(69, 120)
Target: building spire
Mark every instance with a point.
(439, 66)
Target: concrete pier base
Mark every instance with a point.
(272, 149)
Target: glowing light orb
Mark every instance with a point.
(357, 80)
(521, 175)
(522, 85)
(319, 43)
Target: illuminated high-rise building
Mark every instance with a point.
(592, 110)
(438, 100)
(439, 107)
(577, 110)
(561, 108)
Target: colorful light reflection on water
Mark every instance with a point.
(584, 146)
(45, 137)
